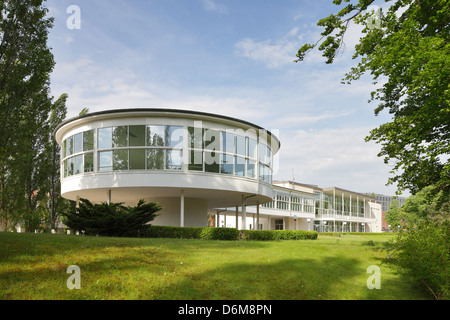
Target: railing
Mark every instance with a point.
(337, 214)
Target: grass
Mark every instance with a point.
(33, 266)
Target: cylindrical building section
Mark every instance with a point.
(188, 162)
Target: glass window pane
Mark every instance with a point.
(70, 167)
(120, 137)
(69, 146)
(155, 159)
(239, 168)
(212, 139)
(261, 172)
(120, 160)
(78, 164)
(240, 145)
(173, 159)
(65, 168)
(89, 162)
(251, 168)
(227, 164)
(105, 138)
(228, 142)
(88, 140)
(174, 136)
(137, 158)
(78, 143)
(155, 135)
(251, 152)
(137, 136)
(105, 161)
(196, 160)
(196, 137)
(64, 149)
(262, 153)
(212, 162)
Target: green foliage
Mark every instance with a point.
(429, 204)
(25, 103)
(409, 53)
(423, 253)
(393, 216)
(213, 233)
(279, 235)
(204, 233)
(113, 219)
(172, 232)
(219, 234)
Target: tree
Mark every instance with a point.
(408, 51)
(393, 215)
(428, 204)
(25, 66)
(57, 203)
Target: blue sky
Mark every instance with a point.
(230, 57)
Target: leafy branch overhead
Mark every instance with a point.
(408, 52)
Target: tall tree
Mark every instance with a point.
(57, 203)
(408, 50)
(25, 66)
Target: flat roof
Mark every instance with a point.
(162, 111)
(315, 187)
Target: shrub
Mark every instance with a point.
(172, 232)
(422, 253)
(220, 234)
(205, 233)
(113, 219)
(278, 235)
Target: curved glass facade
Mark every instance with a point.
(161, 147)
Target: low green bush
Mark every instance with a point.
(278, 235)
(172, 232)
(219, 234)
(423, 253)
(212, 233)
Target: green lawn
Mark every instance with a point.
(33, 266)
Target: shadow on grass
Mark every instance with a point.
(124, 268)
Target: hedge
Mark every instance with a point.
(278, 235)
(205, 233)
(212, 233)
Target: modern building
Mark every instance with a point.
(197, 164)
(308, 207)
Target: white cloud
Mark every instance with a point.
(270, 53)
(210, 5)
(333, 157)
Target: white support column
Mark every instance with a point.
(237, 217)
(364, 208)
(244, 214)
(257, 215)
(182, 209)
(108, 197)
